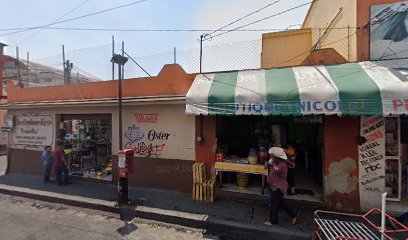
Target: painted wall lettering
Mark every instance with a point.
(158, 131)
(372, 162)
(146, 118)
(146, 142)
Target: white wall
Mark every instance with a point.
(175, 132)
(167, 133)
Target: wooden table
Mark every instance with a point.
(258, 169)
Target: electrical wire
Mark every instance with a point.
(56, 20)
(75, 18)
(242, 18)
(177, 30)
(263, 19)
(153, 30)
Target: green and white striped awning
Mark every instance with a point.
(366, 88)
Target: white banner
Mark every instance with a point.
(372, 162)
(33, 131)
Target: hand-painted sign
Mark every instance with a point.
(146, 118)
(372, 161)
(33, 130)
(146, 143)
(133, 134)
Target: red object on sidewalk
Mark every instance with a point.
(344, 226)
(126, 163)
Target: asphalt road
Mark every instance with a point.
(22, 218)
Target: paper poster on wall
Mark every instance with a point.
(33, 131)
(389, 31)
(371, 161)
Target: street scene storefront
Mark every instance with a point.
(343, 120)
(155, 127)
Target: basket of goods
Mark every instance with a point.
(253, 156)
(242, 180)
(263, 155)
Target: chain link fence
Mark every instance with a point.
(277, 49)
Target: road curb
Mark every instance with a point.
(210, 224)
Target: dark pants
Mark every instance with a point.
(291, 177)
(276, 201)
(61, 175)
(47, 172)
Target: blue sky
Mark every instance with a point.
(151, 14)
(161, 14)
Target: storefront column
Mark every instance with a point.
(341, 162)
(205, 143)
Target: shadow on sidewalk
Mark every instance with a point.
(179, 205)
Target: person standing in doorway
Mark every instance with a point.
(61, 170)
(47, 163)
(278, 186)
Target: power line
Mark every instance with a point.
(263, 19)
(248, 15)
(174, 30)
(66, 14)
(75, 18)
(149, 30)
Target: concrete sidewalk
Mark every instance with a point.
(240, 218)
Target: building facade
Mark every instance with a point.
(345, 119)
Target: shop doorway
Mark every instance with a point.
(87, 142)
(238, 135)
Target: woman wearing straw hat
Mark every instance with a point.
(278, 185)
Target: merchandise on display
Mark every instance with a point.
(87, 145)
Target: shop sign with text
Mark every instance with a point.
(33, 130)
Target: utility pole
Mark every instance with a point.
(67, 65)
(28, 67)
(123, 55)
(63, 65)
(113, 53)
(18, 64)
(201, 52)
(123, 182)
(68, 68)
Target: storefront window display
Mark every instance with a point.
(392, 161)
(396, 164)
(245, 141)
(87, 142)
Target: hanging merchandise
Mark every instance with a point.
(87, 145)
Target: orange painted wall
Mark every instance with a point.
(324, 56)
(288, 48)
(363, 18)
(172, 80)
(341, 150)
